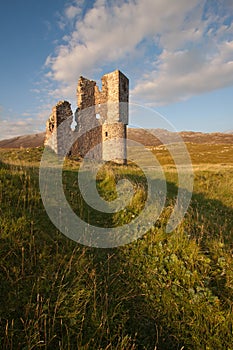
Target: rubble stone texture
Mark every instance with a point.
(58, 127)
(101, 117)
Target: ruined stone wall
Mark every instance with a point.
(58, 127)
(112, 101)
(85, 115)
(85, 93)
(90, 141)
(101, 115)
(110, 104)
(88, 130)
(114, 142)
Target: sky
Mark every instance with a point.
(178, 56)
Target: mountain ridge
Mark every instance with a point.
(144, 136)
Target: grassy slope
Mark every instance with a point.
(164, 291)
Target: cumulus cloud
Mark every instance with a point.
(108, 33)
(186, 46)
(72, 11)
(182, 74)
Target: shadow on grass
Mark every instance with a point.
(59, 295)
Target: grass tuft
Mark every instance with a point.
(163, 291)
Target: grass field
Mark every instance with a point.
(168, 291)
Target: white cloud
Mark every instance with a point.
(28, 122)
(186, 46)
(72, 11)
(12, 128)
(108, 33)
(183, 74)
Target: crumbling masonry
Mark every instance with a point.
(101, 117)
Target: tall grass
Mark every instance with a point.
(163, 291)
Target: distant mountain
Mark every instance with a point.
(144, 136)
(147, 137)
(210, 138)
(25, 141)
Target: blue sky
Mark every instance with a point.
(178, 56)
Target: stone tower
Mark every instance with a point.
(101, 117)
(104, 115)
(114, 126)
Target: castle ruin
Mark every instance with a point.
(101, 117)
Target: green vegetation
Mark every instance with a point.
(200, 154)
(163, 291)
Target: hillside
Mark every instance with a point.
(143, 136)
(147, 138)
(25, 141)
(163, 291)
